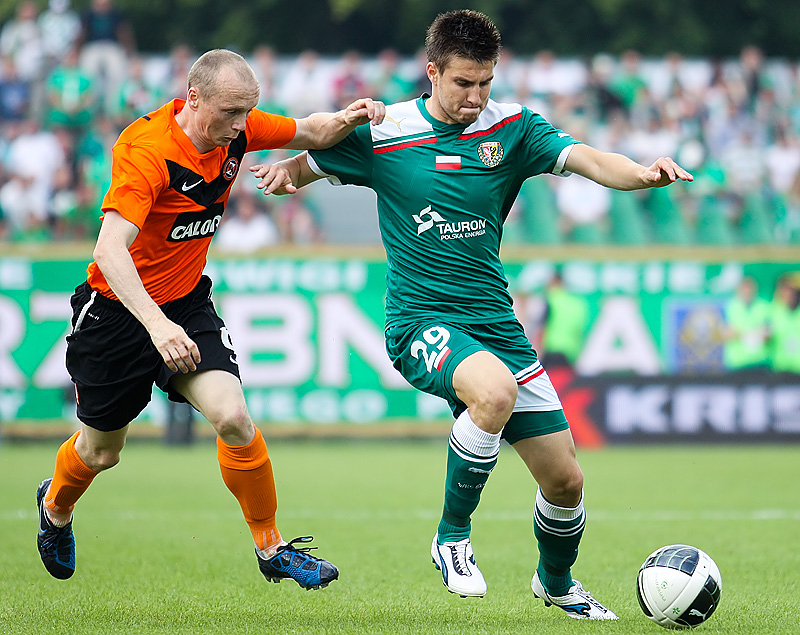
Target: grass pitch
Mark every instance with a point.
(162, 547)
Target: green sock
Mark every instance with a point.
(558, 531)
(471, 456)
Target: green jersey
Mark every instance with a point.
(750, 325)
(444, 191)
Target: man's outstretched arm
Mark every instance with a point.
(322, 130)
(285, 177)
(621, 173)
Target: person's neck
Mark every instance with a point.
(185, 122)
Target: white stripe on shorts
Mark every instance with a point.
(83, 312)
(535, 392)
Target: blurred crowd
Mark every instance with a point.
(69, 83)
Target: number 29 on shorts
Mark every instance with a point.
(432, 347)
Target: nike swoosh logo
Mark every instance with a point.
(186, 188)
(42, 530)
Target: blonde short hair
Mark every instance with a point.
(205, 71)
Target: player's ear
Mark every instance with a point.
(192, 97)
(432, 72)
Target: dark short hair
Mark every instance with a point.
(464, 33)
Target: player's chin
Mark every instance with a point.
(469, 115)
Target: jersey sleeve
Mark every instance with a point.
(349, 162)
(547, 147)
(266, 131)
(138, 176)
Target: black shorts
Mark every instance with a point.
(114, 364)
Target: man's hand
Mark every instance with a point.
(363, 111)
(177, 349)
(275, 179)
(663, 172)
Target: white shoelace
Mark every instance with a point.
(460, 561)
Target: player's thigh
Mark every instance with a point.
(427, 353)
(483, 380)
(111, 361)
(218, 396)
(197, 316)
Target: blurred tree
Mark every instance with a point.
(716, 28)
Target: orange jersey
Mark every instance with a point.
(176, 196)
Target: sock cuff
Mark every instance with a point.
(554, 512)
(243, 457)
(72, 460)
(471, 438)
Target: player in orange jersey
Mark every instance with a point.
(145, 316)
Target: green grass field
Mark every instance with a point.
(162, 547)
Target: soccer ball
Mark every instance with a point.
(678, 586)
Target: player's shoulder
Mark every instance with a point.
(403, 119)
(150, 132)
(259, 118)
(496, 115)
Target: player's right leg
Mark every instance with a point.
(488, 389)
(78, 461)
(247, 472)
(108, 360)
(444, 360)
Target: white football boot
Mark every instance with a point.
(577, 603)
(460, 574)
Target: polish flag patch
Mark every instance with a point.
(448, 163)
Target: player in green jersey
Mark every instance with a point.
(446, 169)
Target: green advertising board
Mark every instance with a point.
(308, 330)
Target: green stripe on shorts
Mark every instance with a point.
(523, 425)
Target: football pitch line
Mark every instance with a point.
(721, 515)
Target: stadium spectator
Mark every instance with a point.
(106, 43)
(247, 227)
(747, 328)
(180, 61)
(60, 28)
(782, 161)
(744, 164)
(15, 93)
(21, 40)
(389, 83)
(306, 87)
(683, 102)
(144, 315)
(784, 343)
(583, 208)
(348, 80)
(265, 67)
(566, 319)
(70, 95)
(136, 95)
(23, 163)
(450, 326)
(628, 84)
(24, 208)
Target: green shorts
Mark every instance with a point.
(427, 352)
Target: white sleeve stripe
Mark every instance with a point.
(561, 161)
(319, 171)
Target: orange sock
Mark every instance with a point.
(71, 479)
(247, 471)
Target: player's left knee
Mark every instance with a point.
(566, 489)
(232, 422)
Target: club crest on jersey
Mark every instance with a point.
(230, 168)
(490, 153)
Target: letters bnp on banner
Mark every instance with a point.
(309, 338)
